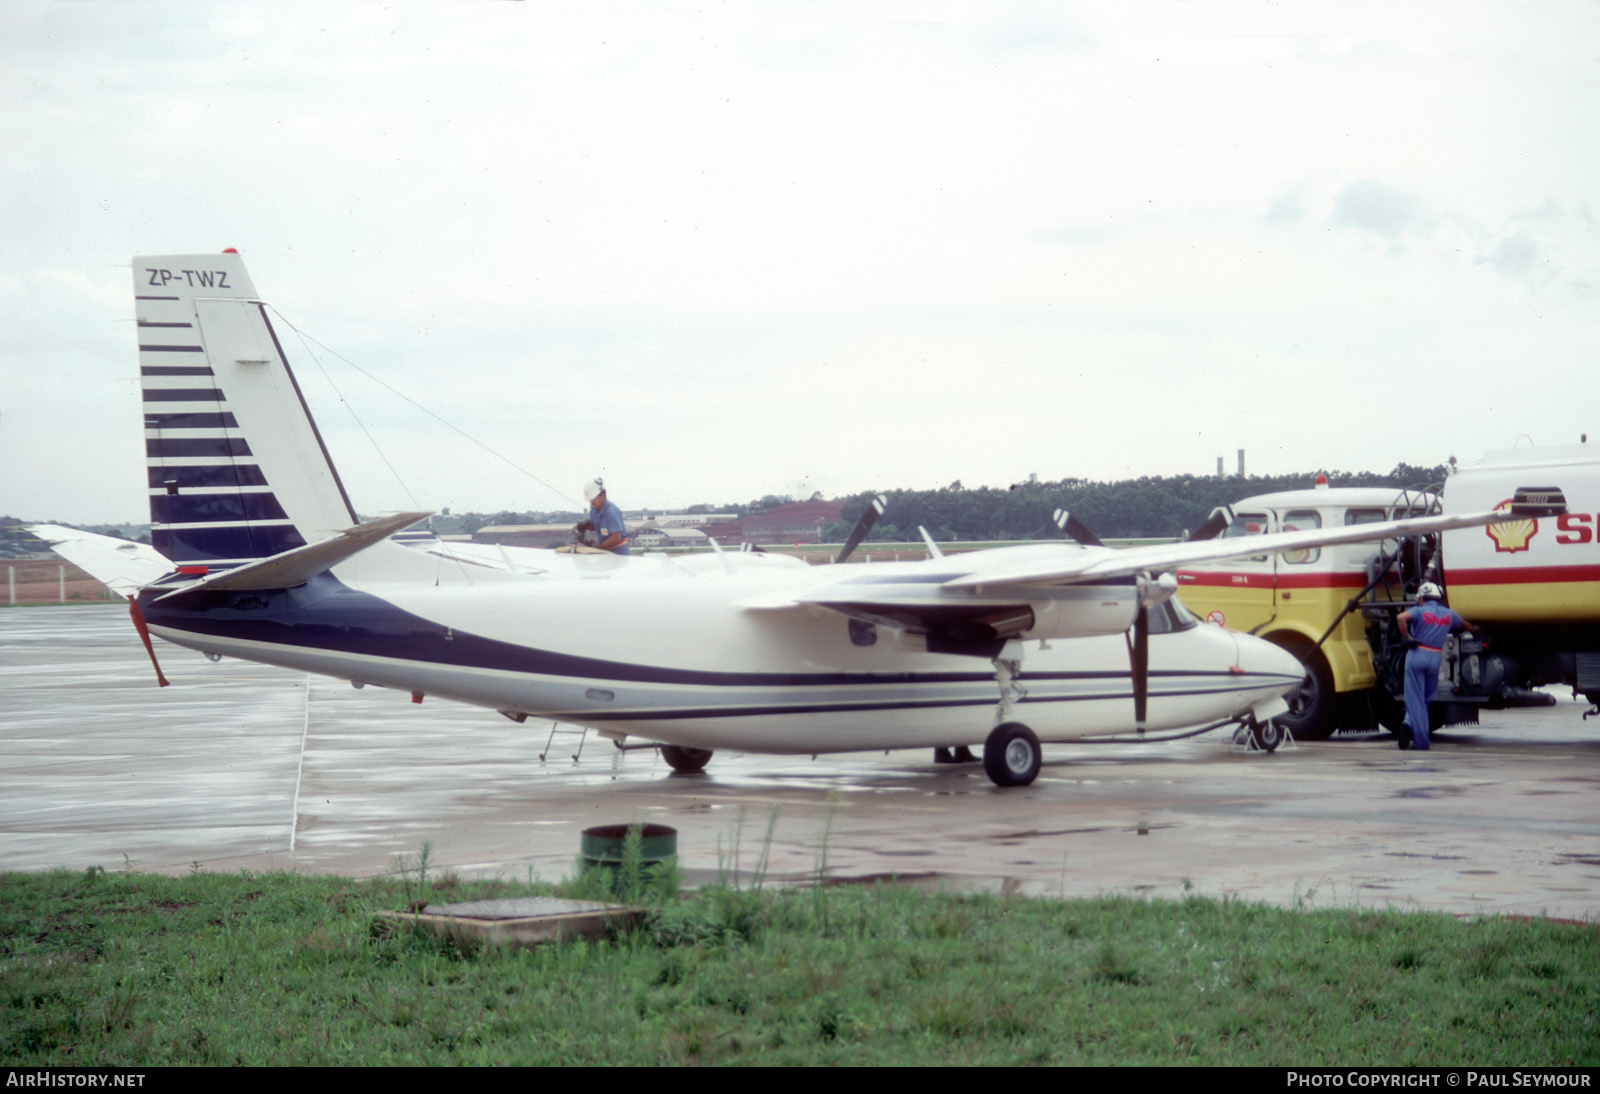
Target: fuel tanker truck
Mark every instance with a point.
(1529, 586)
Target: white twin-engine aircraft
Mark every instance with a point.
(258, 554)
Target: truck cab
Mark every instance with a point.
(1298, 599)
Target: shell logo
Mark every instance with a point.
(1513, 535)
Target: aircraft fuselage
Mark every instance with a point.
(684, 659)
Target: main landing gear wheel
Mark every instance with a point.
(686, 761)
(1011, 755)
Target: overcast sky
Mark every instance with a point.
(714, 252)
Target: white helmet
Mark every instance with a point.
(594, 488)
(1429, 591)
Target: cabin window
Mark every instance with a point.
(1302, 520)
(1365, 516)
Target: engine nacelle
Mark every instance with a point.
(1088, 611)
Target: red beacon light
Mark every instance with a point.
(1322, 482)
(230, 250)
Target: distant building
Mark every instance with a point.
(653, 534)
(687, 520)
(800, 522)
(525, 535)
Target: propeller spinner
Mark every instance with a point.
(1152, 593)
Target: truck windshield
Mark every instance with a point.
(1246, 524)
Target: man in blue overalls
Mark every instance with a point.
(611, 533)
(1424, 628)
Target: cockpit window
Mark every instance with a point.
(1169, 616)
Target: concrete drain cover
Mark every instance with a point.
(523, 907)
(520, 921)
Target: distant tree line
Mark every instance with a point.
(1165, 505)
(1130, 508)
(1152, 506)
(471, 522)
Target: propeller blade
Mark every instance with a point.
(1075, 528)
(1140, 658)
(1214, 525)
(863, 526)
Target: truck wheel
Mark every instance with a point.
(1311, 706)
(1389, 711)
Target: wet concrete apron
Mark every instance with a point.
(242, 766)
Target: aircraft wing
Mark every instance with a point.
(971, 603)
(120, 565)
(1095, 566)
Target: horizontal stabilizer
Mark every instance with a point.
(120, 565)
(297, 566)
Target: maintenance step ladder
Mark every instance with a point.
(582, 733)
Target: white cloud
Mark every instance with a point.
(1381, 210)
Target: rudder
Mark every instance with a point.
(237, 470)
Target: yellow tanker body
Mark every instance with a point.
(1538, 572)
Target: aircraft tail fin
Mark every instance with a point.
(237, 470)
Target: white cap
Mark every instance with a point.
(1429, 591)
(594, 488)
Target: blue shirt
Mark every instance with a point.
(1430, 621)
(607, 520)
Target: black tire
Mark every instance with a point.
(1011, 755)
(1267, 735)
(1311, 707)
(686, 761)
(1389, 711)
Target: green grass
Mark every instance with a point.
(128, 969)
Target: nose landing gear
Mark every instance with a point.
(1260, 735)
